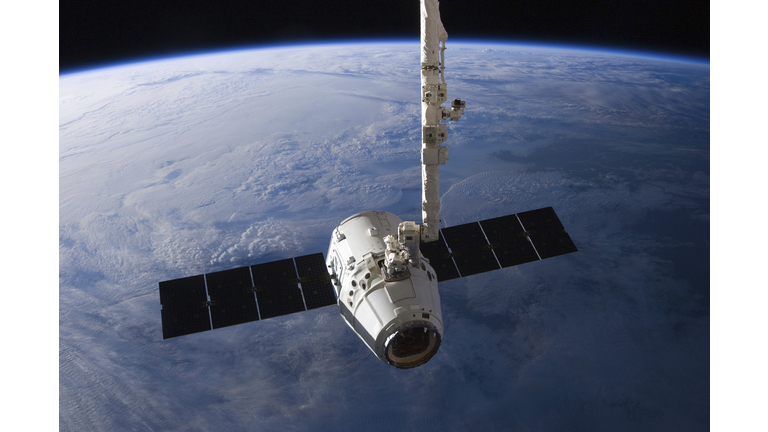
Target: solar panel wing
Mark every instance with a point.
(440, 259)
(277, 288)
(547, 232)
(315, 281)
(232, 299)
(508, 240)
(471, 250)
(185, 310)
(220, 299)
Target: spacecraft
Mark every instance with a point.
(380, 271)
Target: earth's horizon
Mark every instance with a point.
(628, 52)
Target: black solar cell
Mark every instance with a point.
(547, 232)
(440, 259)
(181, 291)
(227, 285)
(180, 321)
(553, 244)
(471, 250)
(541, 220)
(277, 288)
(276, 301)
(280, 272)
(315, 281)
(234, 311)
(184, 306)
(508, 239)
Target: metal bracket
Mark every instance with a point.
(434, 134)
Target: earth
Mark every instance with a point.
(181, 166)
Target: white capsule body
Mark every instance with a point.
(399, 320)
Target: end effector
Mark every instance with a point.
(457, 109)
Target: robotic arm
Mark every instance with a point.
(434, 92)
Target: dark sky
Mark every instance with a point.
(96, 32)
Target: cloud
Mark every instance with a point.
(261, 238)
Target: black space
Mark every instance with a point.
(93, 33)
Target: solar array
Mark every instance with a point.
(491, 244)
(214, 300)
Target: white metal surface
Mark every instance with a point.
(380, 307)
